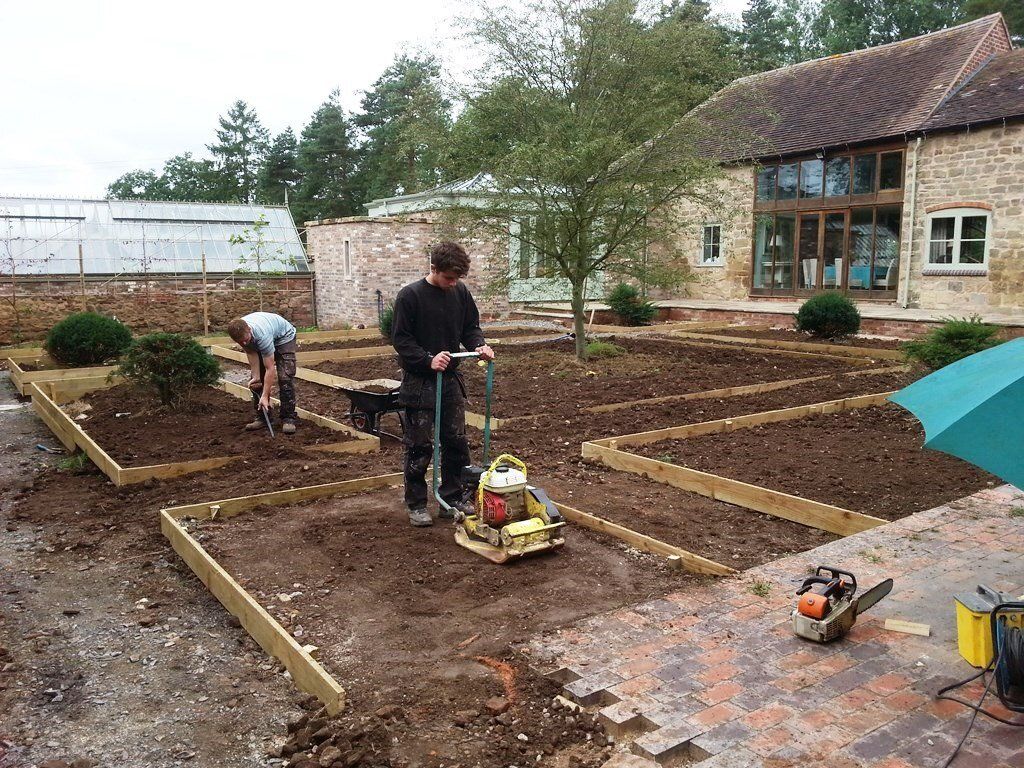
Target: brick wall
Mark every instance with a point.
(159, 304)
(386, 253)
(994, 43)
(984, 166)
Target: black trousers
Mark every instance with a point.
(284, 361)
(419, 426)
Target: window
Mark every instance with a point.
(864, 174)
(348, 259)
(810, 178)
(890, 175)
(712, 247)
(787, 181)
(837, 177)
(766, 183)
(958, 240)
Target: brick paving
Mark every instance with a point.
(714, 676)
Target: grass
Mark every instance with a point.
(73, 464)
(666, 457)
(1017, 512)
(597, 350)
(761, 588)
(871, 557)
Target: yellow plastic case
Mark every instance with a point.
(973, 626)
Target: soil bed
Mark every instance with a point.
(410, 633)
(780, 334)
(210, 425)
(531, 380)
(867, 460)
(29, 366)
(316, 346)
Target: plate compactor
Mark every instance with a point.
(828, 606)
(510, 517)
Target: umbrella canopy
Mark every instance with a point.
(974, 409)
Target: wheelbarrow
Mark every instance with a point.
(369, 405)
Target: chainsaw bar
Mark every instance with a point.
(872, 596)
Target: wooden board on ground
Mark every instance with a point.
(310, 336)
(21, 379)
(842, 522)
(680, 325)
(800, 346)
(71, 434)
(765, 350)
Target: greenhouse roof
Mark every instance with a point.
(43, 235)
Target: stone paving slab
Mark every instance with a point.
(719, 680)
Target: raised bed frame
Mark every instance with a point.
(307, 673)
(815, 514)
(798, 346)
(22, 379)
(72, 435)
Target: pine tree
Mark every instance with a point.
(775, 34)
(280, 171)
(240, 148)
(849, 25)
(405, 120)
(1012, 10)
(327, 161)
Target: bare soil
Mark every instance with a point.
(419, 631)
(781, 334)
(530, 379)
(868, 460)
(210, 425)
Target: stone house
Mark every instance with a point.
(893, 174)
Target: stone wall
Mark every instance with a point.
(159, 304)
(733, 210)
(385, 254)
(984, 166)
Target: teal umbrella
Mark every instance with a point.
(974, 409)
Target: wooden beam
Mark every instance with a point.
(802, 346)
(239, 504)
(25, 353)
(129, 475)
(814, 514)
(327, 355)
(310, 336)
(22, 378)
(688, 560)
(307, 673)
(908, 627)
(741, 422)
(762, 349)
(69, 433)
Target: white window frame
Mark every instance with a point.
(956, 267)
(701, 260)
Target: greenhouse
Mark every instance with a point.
(50, 236)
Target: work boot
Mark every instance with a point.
(463, 507)
(255, 424)
(288, 427)
(420, 517)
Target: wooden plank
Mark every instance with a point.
(908, 627)
(688, 560)
(22, 378)
(25, 353)
(814, 514)
(801, 346)
(221, 339)
(327, 355)
(741, 422)
(307, 673)
(239, 504)
(67, 427)
(69, 390)
(229, 354)
(761, 349)
(47, 410)
(681, 325)
(129, 475)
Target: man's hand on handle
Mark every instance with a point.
(440, 361)
(255, 384)
(485, 352)
(265, 402)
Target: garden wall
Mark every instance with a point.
(158, 303)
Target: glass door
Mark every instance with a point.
(808, 256)
(834, 252)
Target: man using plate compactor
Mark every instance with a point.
(269, 343)
(434, 317)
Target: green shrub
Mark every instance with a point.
(599, 349)
(87, 338)
(625, 301)
(828, 315)
(387, 320)
(954, 340)
(172, 364)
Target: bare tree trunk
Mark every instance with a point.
(578, 320)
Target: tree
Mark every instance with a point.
(185, 178)
(848, 25)
(240, 147)
(601, 154)
(775, 34)
(280, 170)
(260, 256)
(405, 119)
(137, 185)
(1012, 10)
(328, 158)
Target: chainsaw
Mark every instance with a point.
(507, 517)
(828, 606)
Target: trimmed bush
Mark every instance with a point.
(954, 340)
(625, 301)
(829, 316)
(599, 349)
(173, 365)
(87, 338)
(387, 320)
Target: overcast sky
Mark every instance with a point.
(94, 89)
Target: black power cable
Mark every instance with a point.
(1012, 650)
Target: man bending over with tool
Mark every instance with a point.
(269, 343)
(433, 317)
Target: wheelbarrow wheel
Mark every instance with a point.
(361, 421)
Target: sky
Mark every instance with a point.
(94, 89)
